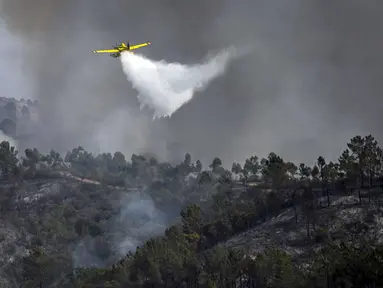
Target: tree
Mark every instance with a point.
(198, 166)
(323, 175)
(25, 112)
(251, 166)
(236, 168)
(361, 159)
(332, 176)
(274, 169)
(11, 109)
(191, 219)
(57, 160)
(291, 169)
(187, 159)
(304, 171)
(32, 157)
(275, 269)
(221, 266)
(315, 172)
(8, 161)
(138, 165)
(309, 207)
(215, 164)
(39, 270)
(356, 147)
(346, 167)
(371, 158)
(294, 188)
(205, 177)
(344, 265)
(119, 160)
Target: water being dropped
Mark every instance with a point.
(165, 87)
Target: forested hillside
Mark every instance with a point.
(265, 223)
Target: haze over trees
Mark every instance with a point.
(211, 211)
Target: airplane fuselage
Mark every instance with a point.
(116, 51)
(120, 49)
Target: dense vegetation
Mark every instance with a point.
(216, 205)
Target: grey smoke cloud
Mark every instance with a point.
(137, 220)
(313, 81)
(11, 66)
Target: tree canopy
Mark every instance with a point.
(208, 209)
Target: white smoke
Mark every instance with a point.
(165, 87)
(138, 220)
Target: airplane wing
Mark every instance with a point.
(106, 51)
(133, 47)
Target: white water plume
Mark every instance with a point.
(165, 87)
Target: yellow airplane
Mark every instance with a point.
(116, 52)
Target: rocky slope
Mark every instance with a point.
(343, 219)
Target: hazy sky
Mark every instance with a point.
(11, 74)
(313, 81)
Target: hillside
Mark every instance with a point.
(75, 221)
(290, 233)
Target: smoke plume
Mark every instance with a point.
(165, 87)
(138, 219)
